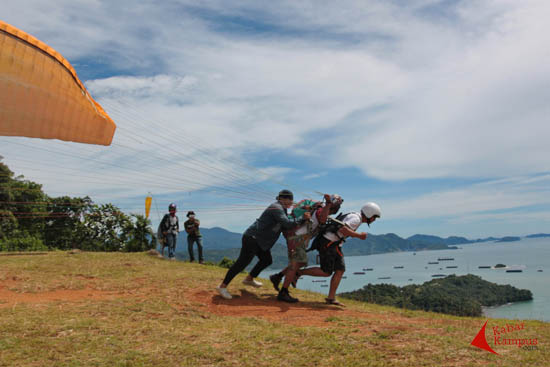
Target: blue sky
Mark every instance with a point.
(437, 110)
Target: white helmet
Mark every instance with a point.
(371, 209)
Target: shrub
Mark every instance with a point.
(226, 263)
(22, 242)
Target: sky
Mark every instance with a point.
(435, 109)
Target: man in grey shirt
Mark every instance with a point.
(258, 240)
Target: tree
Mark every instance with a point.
(22, 209)
(103, 228)
(31, 220)
(138, 235)
(64, 228)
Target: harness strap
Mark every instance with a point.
(337, 247)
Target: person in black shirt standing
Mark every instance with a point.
(193, 235)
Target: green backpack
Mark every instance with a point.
(306, 205)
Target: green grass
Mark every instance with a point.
(150, 319)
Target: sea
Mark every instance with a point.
(531, 255)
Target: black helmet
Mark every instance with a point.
(190, 213)
(285, 194)
(172, 206)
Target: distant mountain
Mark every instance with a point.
(508, 239)
(214, 238)
(428, 239)
(487, 239)
(220, 243)
(538, 235)
(377, 244)
(455, 240)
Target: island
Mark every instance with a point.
(456, 295)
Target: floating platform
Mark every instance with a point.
(445, 259)
(452, 267)
(433, 262)
(398, 267)
(359, 273)
(514, 271)
(367, 269)
(324, 285)
(384, 278)
(540, 270)
(319, 281)
(484, 267)
(438, 275)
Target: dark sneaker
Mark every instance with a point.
(286, 297)
(276, 280)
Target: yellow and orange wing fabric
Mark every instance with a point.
(41, 95)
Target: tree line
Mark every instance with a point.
(31, 220)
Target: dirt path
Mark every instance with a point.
(9, 298)
(263, 304)
(304, 313)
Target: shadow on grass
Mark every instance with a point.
(247, 298)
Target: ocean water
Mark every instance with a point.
(529, 254)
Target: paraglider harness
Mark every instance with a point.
(165, 226)
(332, 225)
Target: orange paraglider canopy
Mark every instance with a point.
(41, 95)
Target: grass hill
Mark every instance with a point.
(123, 309)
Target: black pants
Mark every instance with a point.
(249, 249)
(331, 258)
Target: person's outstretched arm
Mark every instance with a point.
(348, 232)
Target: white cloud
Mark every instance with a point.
(422, 89)
(143, 87)
(315, 175)
(475, 201)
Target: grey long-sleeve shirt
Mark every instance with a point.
(269, 226)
